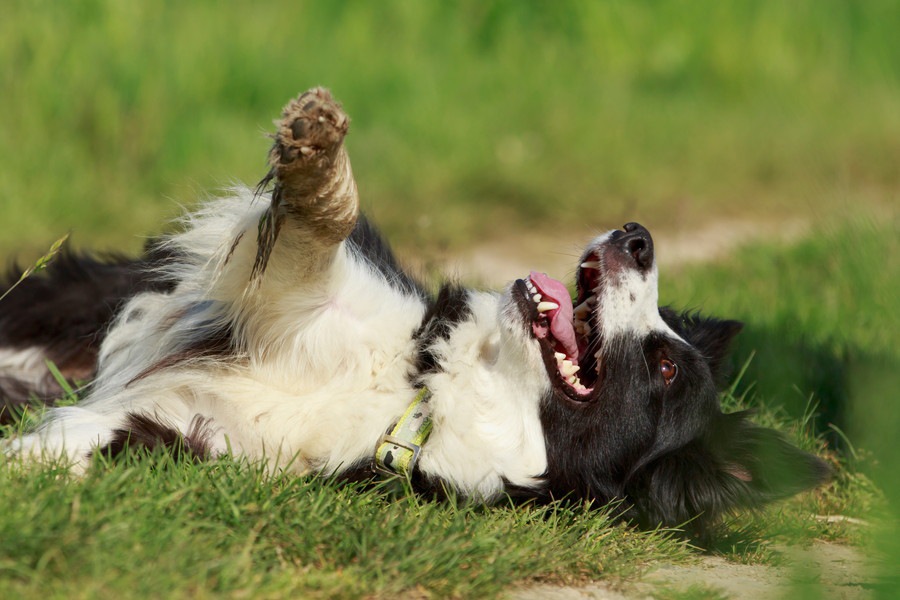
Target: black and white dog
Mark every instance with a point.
(278, 325)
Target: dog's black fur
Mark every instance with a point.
(66, 310)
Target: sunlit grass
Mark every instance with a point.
(159, 528)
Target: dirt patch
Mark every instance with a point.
(509, 255)
(824, 570)
(833, 570)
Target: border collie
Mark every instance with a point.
(278, 325)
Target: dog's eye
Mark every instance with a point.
(668, 369)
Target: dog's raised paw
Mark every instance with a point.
(309, 133)
(313, 180)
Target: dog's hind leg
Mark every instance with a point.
(314, 199)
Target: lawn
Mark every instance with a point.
(470, 118)
(158, 529)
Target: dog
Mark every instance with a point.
(277, 325)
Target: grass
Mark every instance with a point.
(467, 117)
(39, 265)
(161, 529)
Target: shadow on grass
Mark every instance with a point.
(854, 395)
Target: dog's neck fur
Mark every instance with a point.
(481, 382)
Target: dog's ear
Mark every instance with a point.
(712, 337)
(769, 466)
(737, 465)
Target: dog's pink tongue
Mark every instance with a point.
(561, 318)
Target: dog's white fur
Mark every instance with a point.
(326, 349)
(630, 299)
(26, 365)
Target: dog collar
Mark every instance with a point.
(397, 451)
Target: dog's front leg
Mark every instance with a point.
(314, 200)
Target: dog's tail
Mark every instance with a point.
(56, 319)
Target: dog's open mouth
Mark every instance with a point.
(567, 330)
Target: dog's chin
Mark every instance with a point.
(566, 330)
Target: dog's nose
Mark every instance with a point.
(637, 243)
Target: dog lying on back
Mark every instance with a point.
(279, 326)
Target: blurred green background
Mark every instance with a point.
(466, 114)
(474, 119)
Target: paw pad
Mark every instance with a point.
(311, 128)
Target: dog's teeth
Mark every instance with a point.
(590, 264)
(547, 306)
(537, 297)
(306, 150)
(568, 369)
(559, 356)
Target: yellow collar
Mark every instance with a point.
(397, 451)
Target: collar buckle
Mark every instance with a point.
(406, 466)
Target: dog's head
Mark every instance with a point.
(633, 411)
